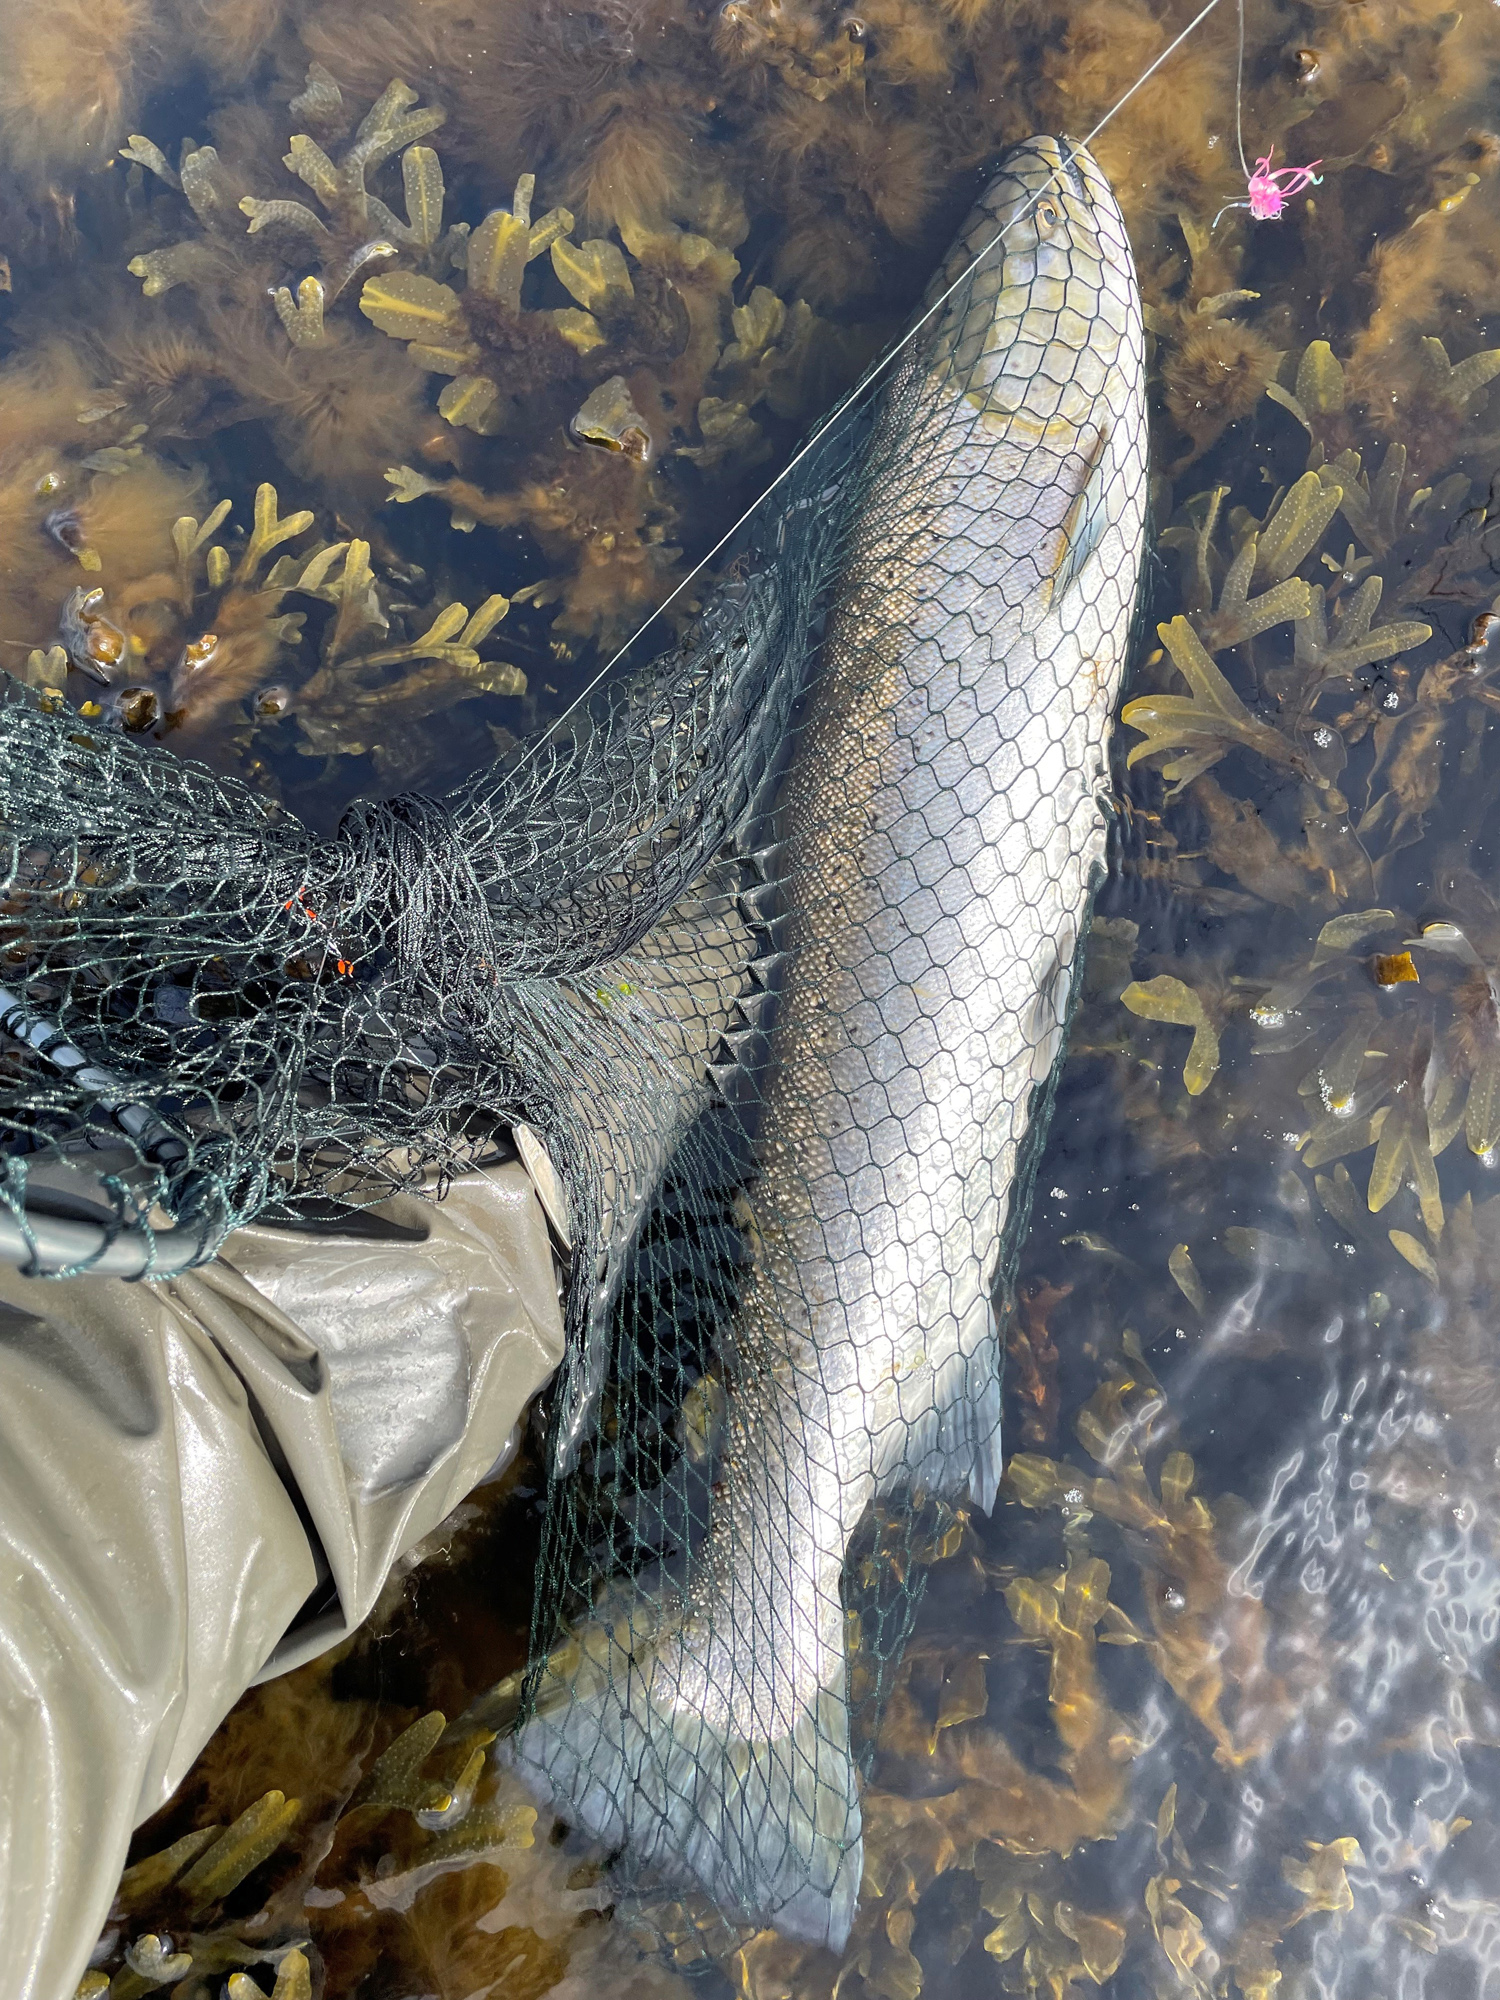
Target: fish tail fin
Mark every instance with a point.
(707, 1763)
(768, 1831)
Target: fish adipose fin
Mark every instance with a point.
(949, 1444)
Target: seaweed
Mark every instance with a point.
(213, 639)
(442, 1866)
(359, 230)
(664, 302)
(464, 336)
(655, 311)
(73, 72)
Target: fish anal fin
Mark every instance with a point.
(949, 1443)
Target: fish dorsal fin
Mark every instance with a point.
(1080, 533)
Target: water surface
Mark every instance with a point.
(1208, 1707)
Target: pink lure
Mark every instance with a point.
(1270, 192)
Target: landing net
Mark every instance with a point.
(771, 943)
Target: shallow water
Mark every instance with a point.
(1209, 1706)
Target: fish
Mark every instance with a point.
(929, 852)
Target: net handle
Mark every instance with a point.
(157, 1141)
(48, 1244)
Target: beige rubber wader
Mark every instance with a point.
(186, 1466)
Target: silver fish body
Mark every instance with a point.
(936, 831)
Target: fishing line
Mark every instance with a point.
(1268, 193)
(879, 368)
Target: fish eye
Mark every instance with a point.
(1047, 216)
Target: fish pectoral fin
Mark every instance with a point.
(1079, 535)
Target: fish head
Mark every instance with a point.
(1037, 300)
(1036, 328)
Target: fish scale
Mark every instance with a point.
(923, 850)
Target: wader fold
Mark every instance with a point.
(186, 1465)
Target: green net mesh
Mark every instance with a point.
(772, 945)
